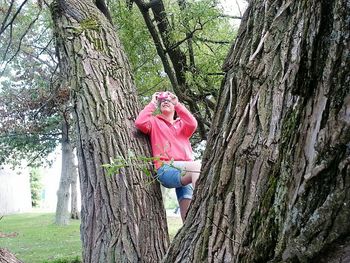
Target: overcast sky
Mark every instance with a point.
(232, 7)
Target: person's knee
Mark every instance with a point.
(184, 192)
(186, 179)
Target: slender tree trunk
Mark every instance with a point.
(62, 213)
(74, 214)
(275, 184)
(122, 216)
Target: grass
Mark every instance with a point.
(174, 224)
(39, 240)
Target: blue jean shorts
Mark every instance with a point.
(170, 177)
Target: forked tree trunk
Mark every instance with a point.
(62, 213)
(275, 184)
(122, 217)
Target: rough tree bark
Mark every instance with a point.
(62, 213)
(122, 216)
(7, 257)
(275, 184)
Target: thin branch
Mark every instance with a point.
(42, 61)
(20, 42)
(46, 47)
(19, 135)
(8, 45)
(157, 42)
(232, 17)
(216, 74)
(6, 17)
(183, 6)
(188, 36)
(220, 42)
(143, 63)
(36, 157)
(151, 88)
(3, 26)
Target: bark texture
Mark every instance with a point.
(7, 257)
(123, 219)
(275, 184)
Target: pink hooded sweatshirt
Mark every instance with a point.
(168, 141)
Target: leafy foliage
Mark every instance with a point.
(31, 97)
(35, 186)
(146, 65)
(210, 33)
(141, 163)
(30, 102)
(64, 260)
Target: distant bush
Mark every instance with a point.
(64, 260)
(35, 186)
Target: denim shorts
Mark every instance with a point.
(170, 177)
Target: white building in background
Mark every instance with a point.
(50, 182)
(15, 193)
(15, 196)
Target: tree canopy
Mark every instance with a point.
(33, 101)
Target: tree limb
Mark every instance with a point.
(220, 42)
(3, 24)
(20, 43)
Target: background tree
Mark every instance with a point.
(32, 106)
(275, 185)
(122, 217)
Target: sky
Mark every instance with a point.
(232, 7)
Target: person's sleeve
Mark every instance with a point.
(188, 120)
(143, 121)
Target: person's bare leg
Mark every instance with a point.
(191, 170)
(184, 205)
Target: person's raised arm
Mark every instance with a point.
(143, 120)
(189, 121)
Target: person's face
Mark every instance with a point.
(167, 106)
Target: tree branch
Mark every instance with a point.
(220, 42)
(188, 36)
(228, 16)
(157, 41)
(20, 43)
(3, 26)
(101, 5)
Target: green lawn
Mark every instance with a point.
(40, 240)
(174, 224)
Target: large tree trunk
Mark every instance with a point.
(275, 182)
(62, 213)
(122, 217)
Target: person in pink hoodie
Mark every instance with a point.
(169, 136)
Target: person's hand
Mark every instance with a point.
(155, 98)
(173, 98)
